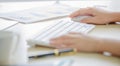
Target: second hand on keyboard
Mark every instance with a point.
(60, 28)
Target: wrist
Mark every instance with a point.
(100, 45)
(115, 17)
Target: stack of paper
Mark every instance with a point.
(39, 14)
(5, 24)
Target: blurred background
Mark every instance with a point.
(25, 4)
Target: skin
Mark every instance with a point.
(99, 16)
(86, 43)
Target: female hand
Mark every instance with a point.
(79, 41)
(99, 16)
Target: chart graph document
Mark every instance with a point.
(39, 13)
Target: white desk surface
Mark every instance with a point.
(80, 59)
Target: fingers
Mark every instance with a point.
(66, 41)
(75, 14)
(81, 12)
(94, 20)
(89, 20)
(60, 43)
(63, 41)
(98, 16)
(74, 33)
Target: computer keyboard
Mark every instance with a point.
(39, 13)
(59, 28)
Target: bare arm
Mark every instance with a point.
(99, 16)
(110, 45)
(85, 43)
(115, 16)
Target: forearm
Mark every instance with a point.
(110, 45)
(115, 16)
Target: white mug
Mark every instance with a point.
(13, 49)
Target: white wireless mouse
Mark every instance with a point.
(79, 18)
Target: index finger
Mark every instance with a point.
(81, 12)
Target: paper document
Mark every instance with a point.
(39, 14)
(5, 24)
